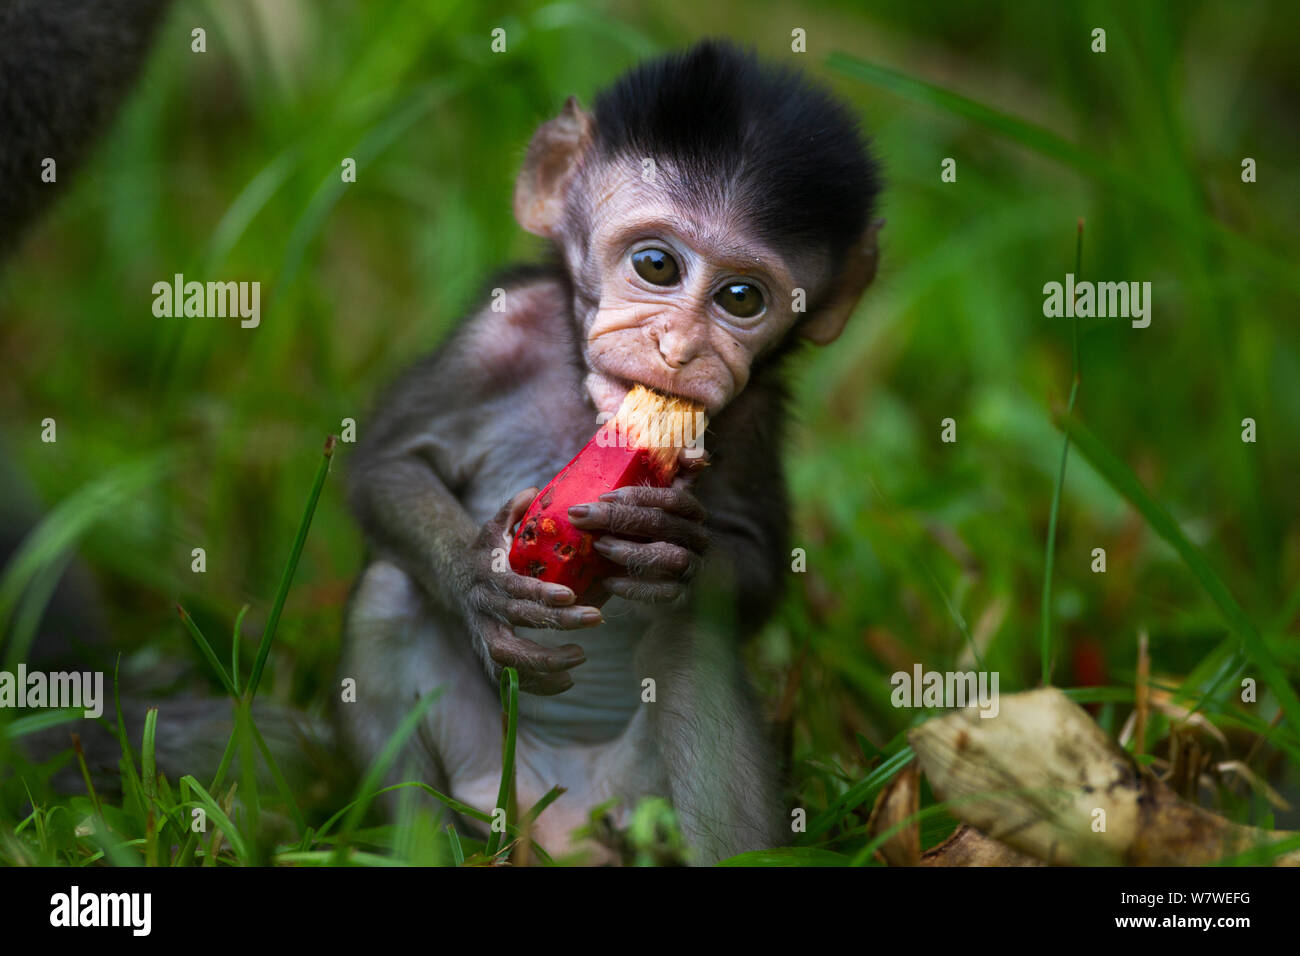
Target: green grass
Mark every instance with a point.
(182, 434)
(1049, 557)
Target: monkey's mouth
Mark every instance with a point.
(607, 391)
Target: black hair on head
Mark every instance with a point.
(761, 133)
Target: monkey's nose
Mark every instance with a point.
(670, 361)
(676, 350)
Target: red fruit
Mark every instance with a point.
(638, 446)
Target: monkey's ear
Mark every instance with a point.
(553, 158)
(859, 269)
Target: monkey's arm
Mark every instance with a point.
(397, 491)
(421, 448)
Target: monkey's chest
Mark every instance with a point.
(509, 464)
(606, 688)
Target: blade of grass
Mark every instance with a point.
(1047, 143)
(1127, 485)
(1037, 138)
(85, 776)
(149, 774)
(134, 797)
(234, 647)
(115, 851)
(1230, 717)
(536, 809)
(34, 723)
(510, 715)
(127, 752)
(1049, 559)
(218, 817)
(367, 788)
(248, 776)
(192, 841)
(148, 763)
(290, 567)
(454, 805)
(326, 858)
(913, 819)
(206, 649)
(56, 535)
(186, 855)
(281, 784)
(264, 649)
(37, 816)
(860, 791)
(457, 851)
(35, 598)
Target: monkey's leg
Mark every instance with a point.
(722, 770)
(397, 648)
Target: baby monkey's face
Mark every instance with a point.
(687, 297)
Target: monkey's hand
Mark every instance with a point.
(496, 600)
(665, 538)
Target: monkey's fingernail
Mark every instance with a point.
(609, 496)
(579, 511)
(591, 617)
(558, 592)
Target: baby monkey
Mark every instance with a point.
(710, 213)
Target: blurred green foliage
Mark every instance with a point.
(225, 165)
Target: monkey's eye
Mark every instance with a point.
(655, 265)
(740, 299)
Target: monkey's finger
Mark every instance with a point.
(524, 655)
(532, 614)
(639, 589)
(506, 518)
(637, 522)
(675, 499)
(547, 685)
(518, 505)
(533, 589)
(647, 558)
(492, 634)
(543, 685)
